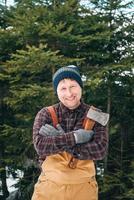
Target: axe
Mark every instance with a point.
(93, 115)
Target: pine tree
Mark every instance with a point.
(30, 89)
(112, 81)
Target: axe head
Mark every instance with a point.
(98, 116)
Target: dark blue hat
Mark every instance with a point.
(70, 71)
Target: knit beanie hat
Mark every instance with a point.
(70, 71)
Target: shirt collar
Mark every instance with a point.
(64, 109)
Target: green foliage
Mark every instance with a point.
(38, 37)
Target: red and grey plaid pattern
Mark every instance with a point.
(70, 120)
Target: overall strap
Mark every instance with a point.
(88, 124)
(53, 115)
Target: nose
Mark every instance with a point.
(68, 92)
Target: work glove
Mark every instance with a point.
(50, 130)
(83, 136)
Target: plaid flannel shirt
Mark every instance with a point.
(70, 120)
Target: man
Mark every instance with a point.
(57, 147)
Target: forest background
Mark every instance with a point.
(36, 38)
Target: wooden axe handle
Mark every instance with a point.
(89, 124)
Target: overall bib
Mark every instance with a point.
(60, 182)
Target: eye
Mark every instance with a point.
(73, 86)
(63, 88)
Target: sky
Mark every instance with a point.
(10, 2)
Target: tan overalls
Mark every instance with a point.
(59, 182)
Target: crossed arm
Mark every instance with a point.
(46, 145)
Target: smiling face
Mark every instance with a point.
(69, 93)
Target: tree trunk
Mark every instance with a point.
(5, 191)
(4, 187)
(108, 111)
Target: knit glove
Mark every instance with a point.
(50, 130)
(83, 136)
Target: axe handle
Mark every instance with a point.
(89, 124)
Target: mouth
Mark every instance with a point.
(70, 99)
